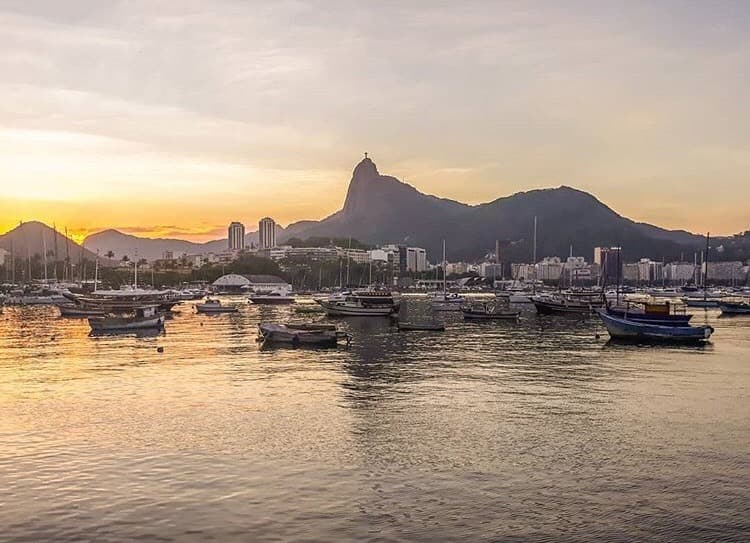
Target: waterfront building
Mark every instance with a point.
(236, 236)
(359, 256)
(235, 283)
(630, 273)
(491, 270)
(404, 259)
(456, 268)
(549, 269)
(266, 233)
(416, 259)
(729, 273)
(680, 272)
(649, 271)
(4, 256)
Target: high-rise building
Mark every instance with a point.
(236, 236)
(267, 233)
(609, 260)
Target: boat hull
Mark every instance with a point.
(74, 311)
(206, 308)
(478, 316)
(734, 309)
(652, 318)
(625, 329)
(305, 335)
(342, 309)
(272, 300)
(544, 307)
(115, 324)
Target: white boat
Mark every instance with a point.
(144, 318)
(275, 297)
(372, 303)
(214, 306)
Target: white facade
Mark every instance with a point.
(266, 233)
(4, 256)
(680, 272)
(359, 256)
(236, 236)
(416, 259)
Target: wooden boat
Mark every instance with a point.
(144, 318)
(125, 300)
(489, 314)
(627, 329)
(420, 326)
(71, 310)
(735, 308)
(320, 335)
(663, 314)
(214, 306)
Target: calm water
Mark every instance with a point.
(535, 431)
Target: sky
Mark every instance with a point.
(174, 118)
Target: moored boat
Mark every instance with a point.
(320, 335)
(275, 297)
(369, 303)
(72, 310)
(214, 306)
(664, 314)
(489, 313)
(735, 308)
(144, 318)
(560, 304)
(627, 329)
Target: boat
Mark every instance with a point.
(420, 326)
(664, 314)
(125, 300)
(701, 302)
(308, 309)
(446, 301)
(214, 306)
(664, 292)
(363, 303)
(561, 304)
(144, 318)
(627, 329)
(487, 312)
(274, 297)
(72, 310)
(320, 335)
(735, 308)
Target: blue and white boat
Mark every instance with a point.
(623, 328)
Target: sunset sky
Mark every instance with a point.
(175, 118)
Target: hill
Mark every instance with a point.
(382, 209)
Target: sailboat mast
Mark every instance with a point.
(445, 279)
(44, 260)
(533, 263)
(96, 270)
(135, 270)
(705, 273)
(348, 260)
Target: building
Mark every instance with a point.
(680, 273)
(549, 269)
(609, 261)
(456, 268)
(236, 236)
(416, 259)
(266, 233)
(728, 273)
(491, 270)
(235, 283)
(4, 256)
(649, 271)
(359, 256)
(630, 273)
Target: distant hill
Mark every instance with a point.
(382, 209)
(154, 248)
(29, 238)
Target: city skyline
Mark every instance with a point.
(135, 116)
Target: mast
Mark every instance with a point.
(96, 270)
(44, 260)
(135, 270)
(348, 260)
(705, 273)
(445, 282)
(68, 267)
(533, 264)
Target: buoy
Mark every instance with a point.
(160, 349)
(52, 338)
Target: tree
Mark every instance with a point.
(109, 254)
(125, 258)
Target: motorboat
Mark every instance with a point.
(145, 317)
(665, 292)
(447, 301)
(274, 297)
(663, 314)
(125, 300)
(621, 328)
(215, 306)
(320, 335)
(360, 303)
(488, 312)
(734, 308)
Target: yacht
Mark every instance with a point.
(274, 297)
(361, 303)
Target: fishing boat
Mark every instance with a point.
(735, 308)
(663, 314)
(364, 303)
(72, 310)
(487, 312)
(274, 297)
(627, 329)
(143, 318)
(125, 300)
(320, 335)
(214, 306)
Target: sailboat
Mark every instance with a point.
(447, 301)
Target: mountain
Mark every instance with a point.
(29, 239)
(154, 248)
(382, 209)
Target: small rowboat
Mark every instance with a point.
(420, 326)
(296, 335)
(214, 306)
(144, 318)
(627, 329)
